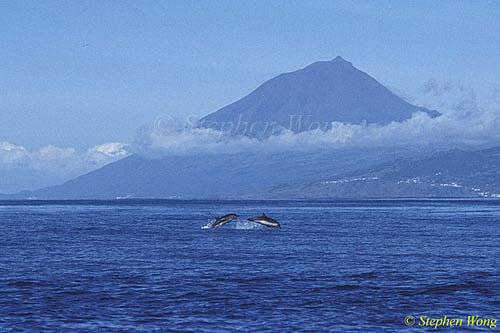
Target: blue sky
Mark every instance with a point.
(82, 73)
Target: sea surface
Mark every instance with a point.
(345, 265)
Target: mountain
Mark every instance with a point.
(453, 173)
(322, 92)
(209, 176)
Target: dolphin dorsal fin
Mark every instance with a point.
(264, 214)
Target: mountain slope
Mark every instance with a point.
(452, 173)
(321, 92)
(210, 176)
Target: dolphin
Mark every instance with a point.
(220, 221)
(265, 220)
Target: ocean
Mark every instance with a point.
(337, 265)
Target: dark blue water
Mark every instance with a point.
(334, 265)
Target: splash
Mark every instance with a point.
(208, 225)
(236, 224)
(246, 225)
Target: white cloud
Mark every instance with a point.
(52, 153)
(107, 152)
(466, 124)
(437, 88)
(57, 159)
(11, 154)
(22, 169)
